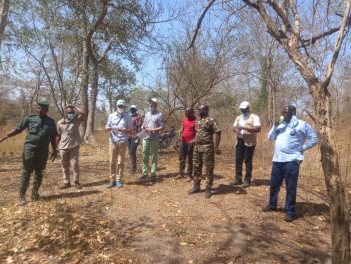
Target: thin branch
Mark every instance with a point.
(198, 26)
(337, 47)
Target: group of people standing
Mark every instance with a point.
(200, 141)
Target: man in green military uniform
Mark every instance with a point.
(204, 149)
(41, 131)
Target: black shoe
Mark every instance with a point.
(153, 178)
(288, 218)
(77, 184)
(268, 209)
(195, 189)
(235, 182)
(208, 193)
(22, 200)
(142, 177)
(65, 186)
(245, 184)
(35, 196)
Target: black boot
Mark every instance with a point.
(208, 193)
(22, 200)
(35, 195)
(195, 189)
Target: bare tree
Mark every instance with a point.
(282, 19)
(3, 18)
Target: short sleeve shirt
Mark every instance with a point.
(205, 128)
(40, 131)
(189, 131)
(154, 120)
(69, 131)
(119, 121)
(242, 122)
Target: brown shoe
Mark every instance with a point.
(178, 176)
(189, 179)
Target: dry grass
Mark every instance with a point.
(148, 223)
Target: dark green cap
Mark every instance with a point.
(43, 103)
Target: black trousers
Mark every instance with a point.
(186, 152)
(243, 153)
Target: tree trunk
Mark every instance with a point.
(3, 18)
(89, 137)
(84, 85)
(338, 208)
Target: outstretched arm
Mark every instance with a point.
(10, 134)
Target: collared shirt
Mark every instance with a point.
(137, 122)
(205, 128)
(69, 131)
(154, 120)
(290, 140)
(119, 121)
(40, 131)
(242, 122)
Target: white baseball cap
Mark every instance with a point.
(244, 105)
(121, 103)
(153, 100)
(133, 106)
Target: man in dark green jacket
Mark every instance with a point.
(41, 131)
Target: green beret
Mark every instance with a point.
(43, 103)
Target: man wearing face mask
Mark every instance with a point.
(153, 125)
(290, 135)
(69, 141)
(133, 140)
(246, 126)
(41, 131)
(119, 124)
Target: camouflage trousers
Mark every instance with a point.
(207, 159)
(33, 159)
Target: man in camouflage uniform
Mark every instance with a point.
(41, 131)
(204, 149)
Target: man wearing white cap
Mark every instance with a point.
(119, 124)
(153, 124)
(133, 140)
(246, 126)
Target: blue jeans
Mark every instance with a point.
(290, 172)
(132, 147)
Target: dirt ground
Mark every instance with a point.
(159, 223)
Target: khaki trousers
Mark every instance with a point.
(117, 152)
(70, 157)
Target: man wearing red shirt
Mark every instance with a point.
(187, 144)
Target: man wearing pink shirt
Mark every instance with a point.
(187, 144)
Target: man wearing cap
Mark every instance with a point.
(204, 150)
(41, 131)
(69, 140)
(119, 124)
(133, 140)
(153, 125)
(246, 126)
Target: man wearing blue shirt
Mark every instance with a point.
(119, 124)
(290, 135)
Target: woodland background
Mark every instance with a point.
(93, 52)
